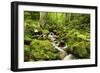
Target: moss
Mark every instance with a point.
(27, 40)
(43, 50)
(26, 53)
(79, 49)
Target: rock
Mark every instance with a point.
(69, 57)
(35, 30)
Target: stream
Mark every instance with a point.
(64, 55)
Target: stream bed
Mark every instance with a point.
(64, 55)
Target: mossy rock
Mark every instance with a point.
(80, 50)
(43, 50)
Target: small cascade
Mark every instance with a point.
(55, 43)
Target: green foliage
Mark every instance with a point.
(31, 15)
(45, 31)
(27, 38)
(74, 27)
(26, 53)
(79, 44)
(80, 49)
(43, 50)
(28, 30)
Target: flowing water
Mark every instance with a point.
(63, 54)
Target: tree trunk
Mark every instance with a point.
(43, 18)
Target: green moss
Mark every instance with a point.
(43, 50)
(79, 49)
(26, 53)
(78, 43)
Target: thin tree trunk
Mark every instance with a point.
(43, 18)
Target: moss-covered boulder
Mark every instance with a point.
(43, 50)
(78, 44)
(80, 49)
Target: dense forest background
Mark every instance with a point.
(70, 29)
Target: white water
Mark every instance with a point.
(58, 48)
(64, 54)
(69, 57)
